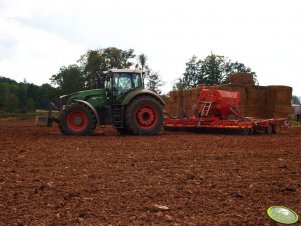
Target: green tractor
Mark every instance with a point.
(123, 103)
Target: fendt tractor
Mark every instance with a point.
(122, 103)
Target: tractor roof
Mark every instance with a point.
(123, 71)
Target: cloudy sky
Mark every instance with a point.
(37, 37)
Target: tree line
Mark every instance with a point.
(87, 73)
(24, 97)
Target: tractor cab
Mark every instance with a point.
(120, 82)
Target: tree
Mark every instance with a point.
(7, 80)
(46, 93)
(142, 59)
(30, 105)
(295, 100)
(69, 79)
(94, 62)
(153, 81)
(22, 97)
(4, 89)
(214, 69)
(11, 102)
(191, 75)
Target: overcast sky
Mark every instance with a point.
(37, 37)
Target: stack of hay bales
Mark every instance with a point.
(181, 102)
(256, 101)
(278, 101)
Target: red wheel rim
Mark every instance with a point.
(146, 117)
(77, 120)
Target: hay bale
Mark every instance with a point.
(278, 95)
(255, 111)
(195, 93)
(255, 96)
(241, 78)
(278, 101)
(172, 95)
(278, 111)
(242, 109)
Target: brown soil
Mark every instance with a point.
(170, 179)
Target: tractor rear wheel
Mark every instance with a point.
(144, 116)
(77, 119)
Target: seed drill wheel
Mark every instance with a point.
(77, 119)
(269, 129)
(276, 128)
(244, 131)
(144, 116)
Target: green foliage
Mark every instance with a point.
(212, 70)
(295, 100)
(94, 62)
(30, 105)
(4, 89)
(11, 102)
(7, 80)
(24, 97)
(191, 76)
(69, 79)
(153, 80)
(142, 59)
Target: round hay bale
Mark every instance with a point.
(241, 78)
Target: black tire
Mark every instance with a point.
(244, 131)
(122, 131)
(276, 128)
(144, 116)
(77, 119)
(172, 129)
(269, 129)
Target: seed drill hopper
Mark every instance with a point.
(218, 110)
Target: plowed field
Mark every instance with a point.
(47, 178)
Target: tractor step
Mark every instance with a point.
(117, 116)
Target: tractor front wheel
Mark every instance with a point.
(144, 116)
(77, 119)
